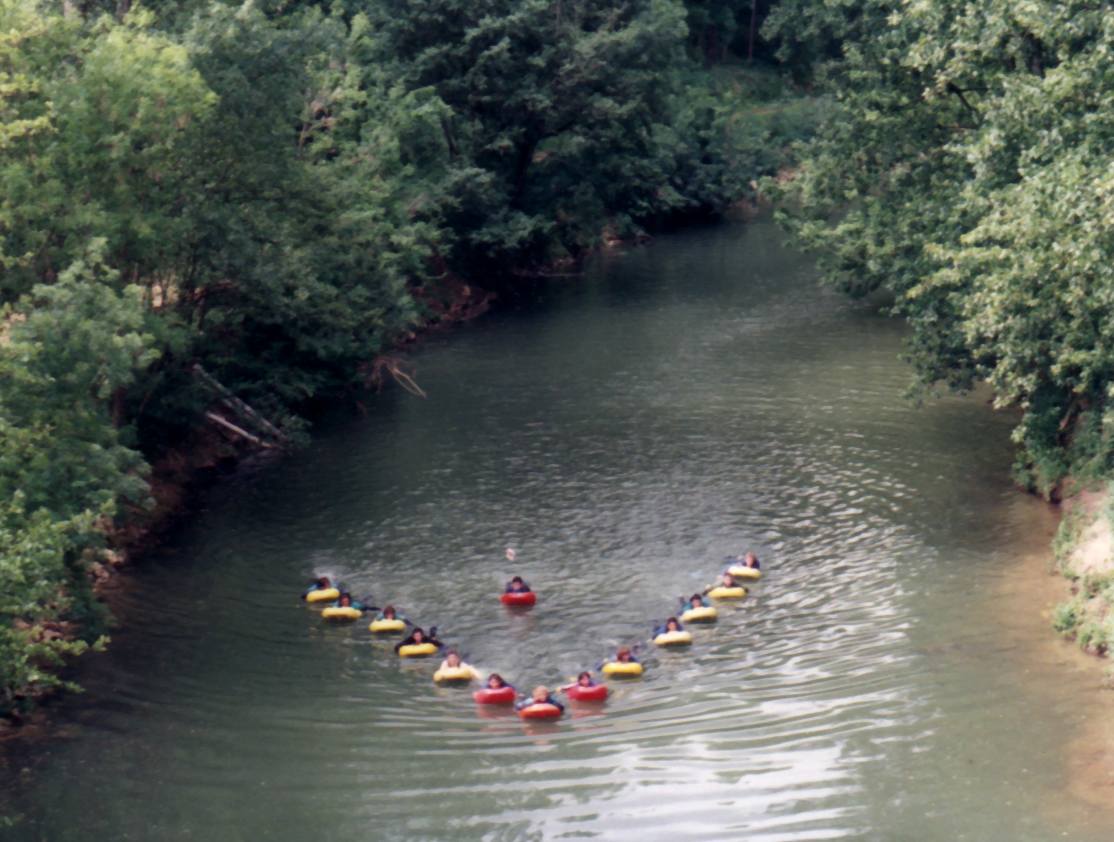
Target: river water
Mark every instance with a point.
(624, 431)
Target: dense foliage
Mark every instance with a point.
(968, 174)
(204, 203)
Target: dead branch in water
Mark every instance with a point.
(239, 407)
(228, 425)
(373, 374)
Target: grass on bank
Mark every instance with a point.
(1088, 616)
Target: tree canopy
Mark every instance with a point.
(968, 174)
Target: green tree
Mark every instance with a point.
(968, 176)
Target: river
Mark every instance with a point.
(624, 431)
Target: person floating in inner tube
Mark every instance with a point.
(670, 625)
(583, 680)
(453, 662)
(496, 682)
(749, 560)
(388, 612)
(540, 696)
(418, 636)
(322, 583)
(726, 580)
(345, 600)
(625, 655)
(517, 585)
(694, 601)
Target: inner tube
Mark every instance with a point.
(741, 571)
(703, 614)
(488, 696)
(540, 710)
(523, 598)
(453, 674)
(323, 595)
(674, 638)
(737, 592)
(630, 668)
(385, 626)
(343, 613)
(416, 650)
(595, 693)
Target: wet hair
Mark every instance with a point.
(584, 674)
(696, 598)
(345, 599)
(323, 582)
(498, 678)
(672, 621)
(623, 650)
(418, 631)
(517, 579)
(388, 611)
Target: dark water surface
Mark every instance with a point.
(685, 400)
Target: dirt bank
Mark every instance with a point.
(1084, 555)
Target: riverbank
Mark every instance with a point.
(1083, 552)
(1064, 678)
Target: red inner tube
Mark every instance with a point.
(489, 696)
(523, 598)
(595, 693)
(540, 710)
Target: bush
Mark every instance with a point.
(1065, 617)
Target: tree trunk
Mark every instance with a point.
(753, 30)
(521, 165)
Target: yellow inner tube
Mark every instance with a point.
(386, 625)
(673, 638)
(341, 612)
(740, 571)
(703, 614)
(323, 595)
(416, 650)
(454, 674)
(622, 668)
(737, 592)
